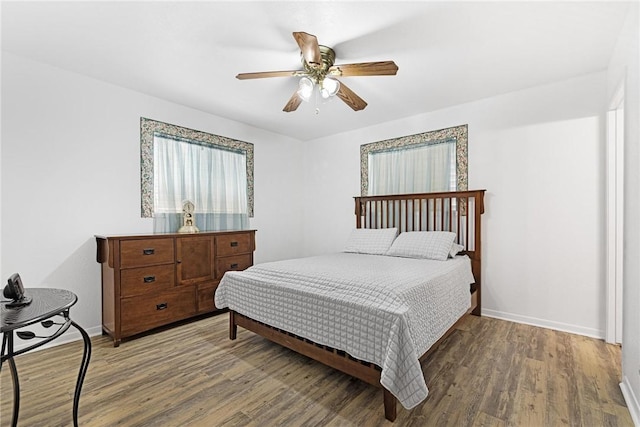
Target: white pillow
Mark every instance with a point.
(373, 241)
(423, 244)
(455, 250)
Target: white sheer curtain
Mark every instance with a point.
(422, 169)
(214, 179)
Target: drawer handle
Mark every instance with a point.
(235, 265)
(149, 251)
(149, 279)
(234, 244)
(161, 306)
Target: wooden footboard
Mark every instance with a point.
(334, 358)
(337, 359)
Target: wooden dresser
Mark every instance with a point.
(156, 279)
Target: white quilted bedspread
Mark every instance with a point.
(384, 310)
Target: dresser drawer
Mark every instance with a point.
(232, 244)
(144, 312)
(138, 253)
(142, 280)
(233, 263)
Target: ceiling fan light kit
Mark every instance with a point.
(319, 72)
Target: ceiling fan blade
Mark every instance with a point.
(308, 44)
(265, 74)
(350, 98)
(293, 103)
(382, 68)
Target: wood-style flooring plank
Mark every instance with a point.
(489, 372)
(530, 400)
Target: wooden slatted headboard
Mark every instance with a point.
(457, 211)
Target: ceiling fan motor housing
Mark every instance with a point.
(318, 71)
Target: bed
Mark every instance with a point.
(380, 306)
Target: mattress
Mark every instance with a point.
(380, 309)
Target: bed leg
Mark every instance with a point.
(233, 328)
(390, 402)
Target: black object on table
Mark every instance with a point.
(45, 306)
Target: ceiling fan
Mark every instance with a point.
(320, 72)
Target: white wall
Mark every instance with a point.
(539, 153)
(70, 169)
(624, 67)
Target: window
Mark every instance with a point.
(426, 162)
(419, 168)
(213, 172)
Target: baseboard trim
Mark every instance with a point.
(548, 324)
(631, 401)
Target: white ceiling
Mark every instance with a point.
(189, 53)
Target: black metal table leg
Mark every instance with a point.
(86, 356)
(14, 378)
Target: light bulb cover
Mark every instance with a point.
(329, 87)
(305, 88)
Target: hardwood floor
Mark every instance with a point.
(487, 373)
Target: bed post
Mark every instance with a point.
(358, 212)
(233, 327)
(390, 404)
(479, 207)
